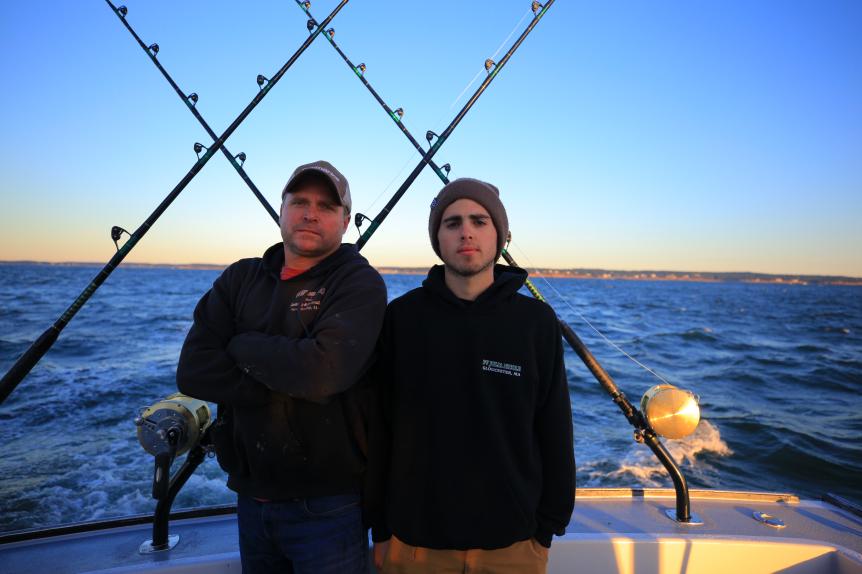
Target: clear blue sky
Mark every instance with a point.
(723, 136)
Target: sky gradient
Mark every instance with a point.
(634, 135)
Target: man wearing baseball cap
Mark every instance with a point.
(480, 472)
(281, 343)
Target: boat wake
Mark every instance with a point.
(640, 465)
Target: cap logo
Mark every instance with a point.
(434, 203)
(327, 172)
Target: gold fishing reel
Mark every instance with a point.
(671, 412)
(178, 419)
(168, 428)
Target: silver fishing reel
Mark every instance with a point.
(175, 423)
(671, 412)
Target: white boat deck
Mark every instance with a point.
(612, 530)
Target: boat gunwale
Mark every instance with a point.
(120, 522)
(589, 493)
(699, 494)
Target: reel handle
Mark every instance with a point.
(164, 458)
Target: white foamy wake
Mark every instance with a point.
(641, 465)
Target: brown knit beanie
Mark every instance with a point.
(482, 193)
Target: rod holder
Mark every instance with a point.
(162, 540)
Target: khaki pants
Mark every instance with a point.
(525, 557)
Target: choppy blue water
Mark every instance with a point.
(778, 369)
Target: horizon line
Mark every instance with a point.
(539, 271)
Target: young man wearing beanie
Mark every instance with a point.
(280, 342)
(480, 472)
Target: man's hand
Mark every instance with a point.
(380, 551)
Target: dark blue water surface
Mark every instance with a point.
(778, 369)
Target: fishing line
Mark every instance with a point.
(632, 414)
(588, 323)
(494, 55)
(490, 67)
(392, 181)
(396, 115)
(435, 140)
(535, 8)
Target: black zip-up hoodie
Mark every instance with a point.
(478, 416)
(282, 359)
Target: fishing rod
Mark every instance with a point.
(38, 349)
(396, 115)
(643, 432)
(191, 101)
(493, 69)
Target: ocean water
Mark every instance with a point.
(778, 370)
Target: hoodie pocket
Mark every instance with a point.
(267, 440)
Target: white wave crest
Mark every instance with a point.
(644, 467)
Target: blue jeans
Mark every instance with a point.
(318, 535)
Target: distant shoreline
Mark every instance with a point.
(606, 274)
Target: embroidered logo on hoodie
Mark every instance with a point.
(306, 300)
(502, 368)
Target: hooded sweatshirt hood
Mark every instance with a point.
(273, 260)
(507, 281)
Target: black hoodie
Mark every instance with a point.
(282, 359)
(479, 418)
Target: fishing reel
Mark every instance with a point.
(169, 428)
(671, 412)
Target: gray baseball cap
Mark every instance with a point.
(328, 171)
